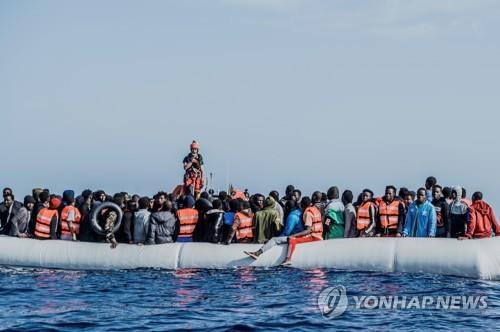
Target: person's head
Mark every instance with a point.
(233, 204)
(36, 193)
(288, 191)
(195, 147)
(223, 195)
(333, 193)
(291, 205)
(217, 204)
(429, 183)
(126, 196)
(305, 202)
(205, 195)
(390, 193)
(259, 200)
(421, 196)
(119, 200)
(316, 197)
(367, 195)
(296, 195)
(100, 196)
(44, 197)
(161, 196)
(456, 193)
(144, 203)
(437, 192)
(7, 191)
(8, 200)
(136, 198)
(87, 195)
(464, 193)
(132, 206)
(347, 197)
(477, 196)
(410, 197)
(68, 197)
(54, 203)
(29, 202)
(447, 192)
(402, 192)
(168, 205)
(274, 194)
(188, 202)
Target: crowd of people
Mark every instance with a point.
(238, 217)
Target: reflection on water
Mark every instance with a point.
(243, 298)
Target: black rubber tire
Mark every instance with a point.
(106, 205)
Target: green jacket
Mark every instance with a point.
(268, 223)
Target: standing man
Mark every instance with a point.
(421, 217)
(334, 215)
(459, 214)
(442, 212)
(429, 183)
(391, 214)
(193, 165)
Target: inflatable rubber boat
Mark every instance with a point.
(471, 258)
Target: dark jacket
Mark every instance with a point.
(443, 217)
(163, 228)
(6, 214)
(214, 220)
(86, 232)
(126, 228)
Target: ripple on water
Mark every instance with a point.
(236, 299)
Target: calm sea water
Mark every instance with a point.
(244, 299)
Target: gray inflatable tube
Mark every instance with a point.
(470, 258)
(94, 217)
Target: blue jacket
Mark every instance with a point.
(229, 218)
(293, 224)
(420, 220)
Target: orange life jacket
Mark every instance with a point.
(389, 214)
(188, 218)
(363, 217)
(245, 229)
(43, 221)
(317, 226)
(65, 231)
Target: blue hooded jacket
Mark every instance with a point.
(420, 220)
(293, 224)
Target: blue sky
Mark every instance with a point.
(315, 93)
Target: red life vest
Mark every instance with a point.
(363, 218)
(43, 221)
(317, 226)
(65, 231)
(187, 218)
(245, 229)
(389, 214)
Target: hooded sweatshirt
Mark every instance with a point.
(482, 221)
(141, 225)
(267, 221)
(163, 228)
(459, 214)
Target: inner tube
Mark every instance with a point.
(95, 223)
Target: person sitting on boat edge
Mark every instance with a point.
(483, 222)
(20, 221)
(313, 223)
(293, 225)
(421, 217)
